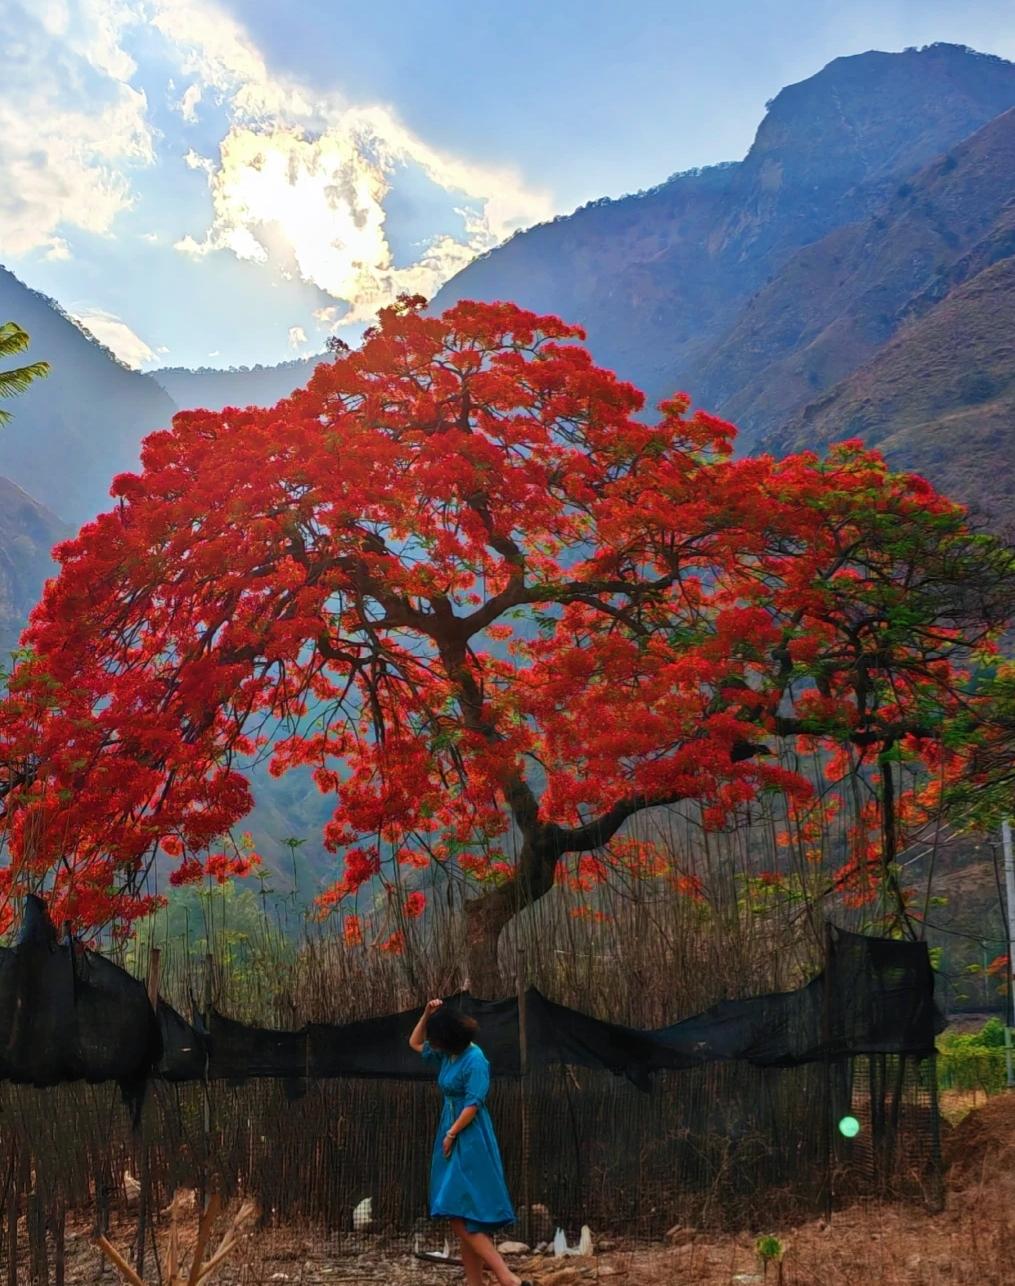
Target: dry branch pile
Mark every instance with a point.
(173, 1272)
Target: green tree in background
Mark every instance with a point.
(14, 340)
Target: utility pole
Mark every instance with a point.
(1009, 883)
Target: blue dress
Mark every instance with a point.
(469, 1184)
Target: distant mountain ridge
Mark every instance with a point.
(28, 532)
(839, 300)
(938, 398)
(723, 281)
(656, 277)
(74, 430)
(214, 389)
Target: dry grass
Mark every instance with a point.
(957, 1104)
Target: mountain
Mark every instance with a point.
(850, 277)
(758, 284)
(74, 430)
(28, 532)
(836, 302)
(656, 278)
(939, 398)
(70, 434)
(240, 386)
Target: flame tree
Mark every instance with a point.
(495, 611)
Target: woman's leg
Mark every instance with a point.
(487, 1252)
(473, 1263)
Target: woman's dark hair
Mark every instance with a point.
(450, 1030)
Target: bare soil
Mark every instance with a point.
(971, 1242)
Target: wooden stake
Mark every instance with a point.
(209, 963)
(37, 1249)
(154, 976)
(12, 1221)
(826, 1037)
(523, 1067)
(173, 1253)
(144, 1167)
(937, 1200)
(211, 1213)
(118, 1262)
(59, 1264)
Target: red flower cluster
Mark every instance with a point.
(219, 866)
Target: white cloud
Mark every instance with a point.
(301, 177)
(58, 249)
(215, 52)
(92, 29)
(297, 336)
(326, 315)
(72, 126)
(187, 106)
(195, 161)
(112, 331)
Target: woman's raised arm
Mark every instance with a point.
(418, 1036)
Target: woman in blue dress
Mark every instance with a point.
(466, 1175)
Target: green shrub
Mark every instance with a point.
(973, 1060)
(992, 1034)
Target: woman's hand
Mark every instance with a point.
(449, 1143)
(431, 1006)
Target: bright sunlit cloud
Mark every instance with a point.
(297, 179)
(300, 179)
(73, 128)
(118, 337)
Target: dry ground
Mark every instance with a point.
(971, 1243)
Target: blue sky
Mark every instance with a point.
(218, 182)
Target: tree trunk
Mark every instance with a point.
(487, 916)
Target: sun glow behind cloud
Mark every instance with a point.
(304, 178)
(320, 197)
(298, 180)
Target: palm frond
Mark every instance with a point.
(17, 380)
(12, 339)
(15, 340)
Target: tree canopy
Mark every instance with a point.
(493, 607)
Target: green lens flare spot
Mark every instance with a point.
(849, 1127)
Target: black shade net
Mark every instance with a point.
(68, 1014)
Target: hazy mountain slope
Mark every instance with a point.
(657, 278)
(27, 534)
(75, 430)
(836, 302)
(242, 386)
(939, 398)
